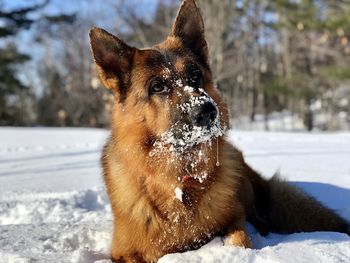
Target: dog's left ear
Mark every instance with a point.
(189, 27)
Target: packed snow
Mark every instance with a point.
(53, 205)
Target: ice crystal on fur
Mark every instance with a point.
(179, 83)
(178, 193)
(188, 89)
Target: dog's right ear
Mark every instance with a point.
(113, 58)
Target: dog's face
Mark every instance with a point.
(164, 94)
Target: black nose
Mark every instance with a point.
(207, 114)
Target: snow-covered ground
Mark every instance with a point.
(53, 207)
(289, 121)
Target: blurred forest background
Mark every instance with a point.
(281, 64)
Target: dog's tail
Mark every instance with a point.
(290, 210)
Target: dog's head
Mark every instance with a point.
(164, 94)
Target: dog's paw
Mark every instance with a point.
(238, 238)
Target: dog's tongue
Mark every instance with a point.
(186, 178)
(190, 179)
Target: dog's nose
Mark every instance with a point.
(207, 114)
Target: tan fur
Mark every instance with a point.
(149, 221)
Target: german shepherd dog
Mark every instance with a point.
(173, 180)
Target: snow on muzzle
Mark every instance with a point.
(197, 109)
(197, 120)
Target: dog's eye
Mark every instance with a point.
(195, 77)
(159, 88)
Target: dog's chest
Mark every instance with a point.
(188, 226)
